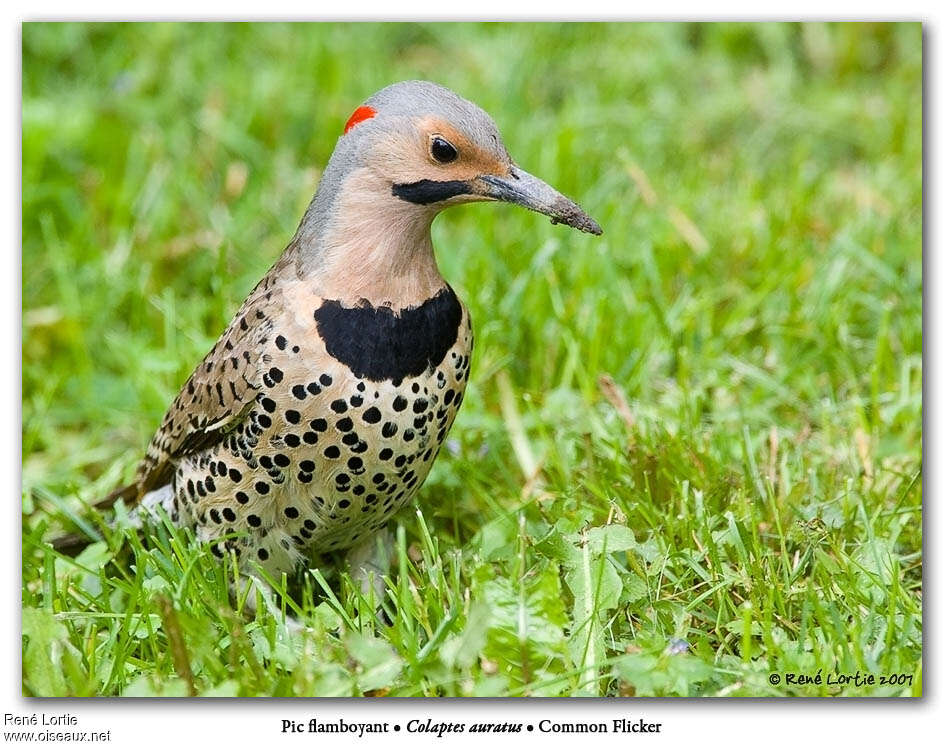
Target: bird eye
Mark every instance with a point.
(442, 150)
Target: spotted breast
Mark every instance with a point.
(351, 409)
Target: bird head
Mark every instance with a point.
(410, 151)
(436, 149)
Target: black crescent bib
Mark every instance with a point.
(378, 344)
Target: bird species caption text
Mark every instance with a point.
(443, 728)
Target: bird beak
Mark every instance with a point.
(526, 190)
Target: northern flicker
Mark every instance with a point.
(319, 411)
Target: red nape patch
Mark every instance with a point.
(360, 114)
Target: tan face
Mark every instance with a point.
(435, 150)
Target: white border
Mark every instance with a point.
(767, 722)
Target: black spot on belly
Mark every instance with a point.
(378, 344)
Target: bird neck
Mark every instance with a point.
(367, 245)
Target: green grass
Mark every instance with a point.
(704, 426)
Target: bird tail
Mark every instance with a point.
(73, 543)
(128, 493)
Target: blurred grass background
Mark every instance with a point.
(733, 371)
